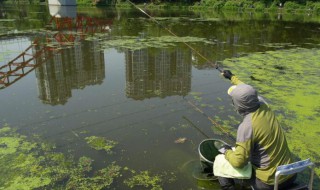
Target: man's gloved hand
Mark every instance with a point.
(224, 148)
(227, 74)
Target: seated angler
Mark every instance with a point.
(260, 139)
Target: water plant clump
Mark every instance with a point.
(289, 80)
(32, 164)
(101, 143)
(100, 180)
(136, 43)
(225, 127)
(144, 179)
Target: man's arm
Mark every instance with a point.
(235, 80)
(228, 75)
(239, 157)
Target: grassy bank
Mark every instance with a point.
(242, 5)
(310, 7)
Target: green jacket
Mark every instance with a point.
(260, 138)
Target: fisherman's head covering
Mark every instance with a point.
(245, 98)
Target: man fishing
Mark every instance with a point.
(260, 139)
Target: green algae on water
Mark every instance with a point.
(137, 43)
(278, 45)
(101, 143)
(32, 164)
(224, 126)
(100, 180)
(144, 179)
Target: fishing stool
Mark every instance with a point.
(294, 168)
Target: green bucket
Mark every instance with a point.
(208, 149)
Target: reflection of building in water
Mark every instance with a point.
(71, 68)
(158, 73)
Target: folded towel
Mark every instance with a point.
(222, 168)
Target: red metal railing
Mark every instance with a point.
(22, 65)
(68, 30)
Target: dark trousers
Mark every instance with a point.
(230, 184)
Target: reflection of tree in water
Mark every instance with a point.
(158, 73)
(73, 68)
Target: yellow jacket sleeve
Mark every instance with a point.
(235, 80)
(239, 157)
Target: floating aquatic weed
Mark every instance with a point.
(144, 179)
(9, 145)
(5, 129)
(289, 80)
(25, 164)
(233, 120)
(17, 161)
(198, 98)
(217, 118)
(84, 132)
(277, 45)
(170, 18)
(184, 125)
(195, 93)
(203, 105)
(136, 43)
(227, 126)
(101, 143)
(100, 180)
(7, 20)
(85, 164)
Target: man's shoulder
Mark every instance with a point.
(247, 121)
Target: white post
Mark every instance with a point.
(62, 2)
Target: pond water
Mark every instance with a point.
(148, 85)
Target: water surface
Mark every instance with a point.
(140, 89)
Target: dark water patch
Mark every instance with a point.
(254, 78)
(286, 128)
(279, 67)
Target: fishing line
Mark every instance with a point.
(116, 128)
(215, 65)
(64, 116)
(90, 125)
(217, 125)
(196, 127)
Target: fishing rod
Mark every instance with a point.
(215, 65)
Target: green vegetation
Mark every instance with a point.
(21, 2)
(290, 81)
(236, 5)
(225, 126)
(101, 143)
(261, 5)
(32, 164)
(136, 43)
(102, 179)
(144, 179)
